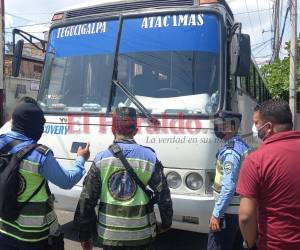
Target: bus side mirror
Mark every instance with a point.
(240, 55)
(17, 57)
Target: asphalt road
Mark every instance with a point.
(172, 240)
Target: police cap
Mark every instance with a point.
(228, 118)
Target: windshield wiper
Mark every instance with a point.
(154, 121)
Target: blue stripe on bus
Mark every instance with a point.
(168, 34)
(187, 32)
(84, 40)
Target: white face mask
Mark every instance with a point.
(255, 133)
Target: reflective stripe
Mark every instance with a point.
(134, 163)
(21, 234)
(127, 222)
(122, 235)
(30, 166)
(123, 211)
(36, 221)
(54, 227)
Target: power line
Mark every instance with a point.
(284, 23)
(23, 18)
(257, 44)
(277, 25)
(261, 49)
(28, 25)
(35, 12)
(270, 13)
(253, 11)
(249, 18)
(265, 56)
(263, 43)
(260, 19)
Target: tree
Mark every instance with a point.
(277, 75)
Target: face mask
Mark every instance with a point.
(255, 133)
(261, 134)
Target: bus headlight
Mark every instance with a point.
(174, 180)
(194, 181)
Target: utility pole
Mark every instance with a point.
(277, 16)
(2, 51)
(293, 62)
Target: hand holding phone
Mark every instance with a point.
(83, 149)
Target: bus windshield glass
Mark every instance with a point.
(170, 63)
(78, 67)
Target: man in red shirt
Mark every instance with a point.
(269, 182)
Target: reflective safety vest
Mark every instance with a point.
(37, 217)
(124, 218)
(240, 152)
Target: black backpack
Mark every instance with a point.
(10, 181)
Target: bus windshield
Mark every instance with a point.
(170, 63)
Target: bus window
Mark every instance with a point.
(79, 67)
(173, 67)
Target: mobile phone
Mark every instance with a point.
(76, 145)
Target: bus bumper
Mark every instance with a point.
(191, 213)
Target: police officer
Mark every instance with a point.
(125, 221)
(224, 226)
(37, 218)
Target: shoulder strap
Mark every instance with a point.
(24, 151)
(9, 146)
(42, 149)
(33, 194)
(117, 152)
(20, 155)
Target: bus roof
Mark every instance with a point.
(92, 7)
(89, 4)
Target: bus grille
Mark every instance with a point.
(127, 6)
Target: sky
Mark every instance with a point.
(255, 15)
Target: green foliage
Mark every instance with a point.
(277, 75)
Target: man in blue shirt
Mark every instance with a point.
(27, 128)
(224, 227)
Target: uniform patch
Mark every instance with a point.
(121, 186)
(228, 167)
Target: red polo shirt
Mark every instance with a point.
(271, 174)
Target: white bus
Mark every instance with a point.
(178, 62)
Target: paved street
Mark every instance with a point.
(172, 240)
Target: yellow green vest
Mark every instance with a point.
(123, 217)
(37, 217)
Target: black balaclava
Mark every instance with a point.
(28, 119)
